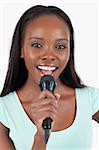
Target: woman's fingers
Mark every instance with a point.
(45, 105)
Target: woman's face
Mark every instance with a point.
(46, 47)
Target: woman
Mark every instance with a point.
(43, 44)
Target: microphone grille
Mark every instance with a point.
(47, 82)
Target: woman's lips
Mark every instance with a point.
(46, 70)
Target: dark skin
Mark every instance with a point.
(45, 43)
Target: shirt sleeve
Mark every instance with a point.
(3, 118)
(94, 97)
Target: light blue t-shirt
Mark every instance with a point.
(77, 137)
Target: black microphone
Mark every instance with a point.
(47, 82)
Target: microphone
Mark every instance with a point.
(47, 82)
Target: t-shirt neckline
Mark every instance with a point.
(30, 121)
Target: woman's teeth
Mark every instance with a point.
(46, 70)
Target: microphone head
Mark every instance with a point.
(47, 82)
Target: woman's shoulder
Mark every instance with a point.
(7, 99)
(7, 107)
(91, 96)
(7, 96)
(92, 91)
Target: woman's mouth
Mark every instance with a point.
(46, 70)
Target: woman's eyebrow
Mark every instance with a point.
(38, 38)
(62, 39)
(41, 38)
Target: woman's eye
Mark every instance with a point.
(37, 45)
(61, 46)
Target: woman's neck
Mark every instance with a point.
(31, 89)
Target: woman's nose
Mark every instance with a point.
(49, 55)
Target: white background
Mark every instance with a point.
(84, 17)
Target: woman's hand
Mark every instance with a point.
(45, 105)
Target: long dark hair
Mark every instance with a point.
(17, 72)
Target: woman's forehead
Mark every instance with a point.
(47, 24)
(48, 20)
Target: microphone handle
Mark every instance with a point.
(47, 126)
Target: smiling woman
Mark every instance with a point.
(43, 44)
(46, 46)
